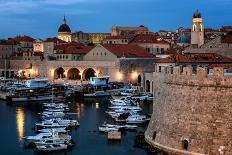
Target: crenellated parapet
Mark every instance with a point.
(199, 76)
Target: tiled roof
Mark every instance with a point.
(227, 39)
(169, 52)
(117, 37)
(22, 38)
(73, 48)
(196, 58)
(225, 66)
(148, 38)
(55, 40)
(210, 30)
(130, 51)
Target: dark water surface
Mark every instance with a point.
(18, 120)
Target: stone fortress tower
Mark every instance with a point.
(64, 31)
(191, 112)
(197, 31)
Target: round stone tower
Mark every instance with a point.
(191, 112)
(197, 31)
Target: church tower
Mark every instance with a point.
(197, 32)
(64, 31)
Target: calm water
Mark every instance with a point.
(18, 121)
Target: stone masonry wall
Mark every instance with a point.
(192, 108)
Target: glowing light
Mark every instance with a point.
(96, 73)
(97, 105)
(119, 76)
(20, 120)
(134, 75)
(197, 20)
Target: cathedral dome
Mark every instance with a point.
(64, 27)
(197, 14)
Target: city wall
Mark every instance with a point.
(191, 113)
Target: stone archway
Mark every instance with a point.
(148, 86)
(89, 72)
(73, 74)
(59, 73)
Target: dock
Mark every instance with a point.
(114, 135)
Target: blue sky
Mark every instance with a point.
(41, 18)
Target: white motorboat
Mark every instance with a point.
(49, 124)
(45, 138)
(55, 109)
(123, 101)
(49, 114)
(60, 130)
(123, 109)
(55, 105)
(137, 119)
(51, 147)
(32, 139)
(67, 122)
(107, 129)
(129, 92)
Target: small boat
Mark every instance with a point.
(137, 119)
(60, 130)
(49, 124)
(97, 94)
(49, 114)
(51, 147)
(107, 129)
(44, 138)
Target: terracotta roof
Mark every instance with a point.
(196, 58)
(73, 48)
(225, 66)
(227, 38)
(210, 30)
(169, 52)
(22, 38)
(148, 38)
(98, 33)
(130, 51)
(55, 40)
(117, 37)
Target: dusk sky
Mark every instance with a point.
(42, 18)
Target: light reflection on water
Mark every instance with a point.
(20, 122)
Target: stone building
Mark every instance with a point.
(125, 63)
(191, 113)
(7, 50)
(126, 30)
(222, 45)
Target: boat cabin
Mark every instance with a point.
(99, 81)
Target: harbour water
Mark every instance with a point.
(18, 120)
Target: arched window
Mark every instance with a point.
(185, 144)
(194, 27)
(201, 28)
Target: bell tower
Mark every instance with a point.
(197, 31)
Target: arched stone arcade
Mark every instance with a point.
(89, 72)
(74, 74)
(59, 73)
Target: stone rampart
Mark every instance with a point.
(192, 111)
